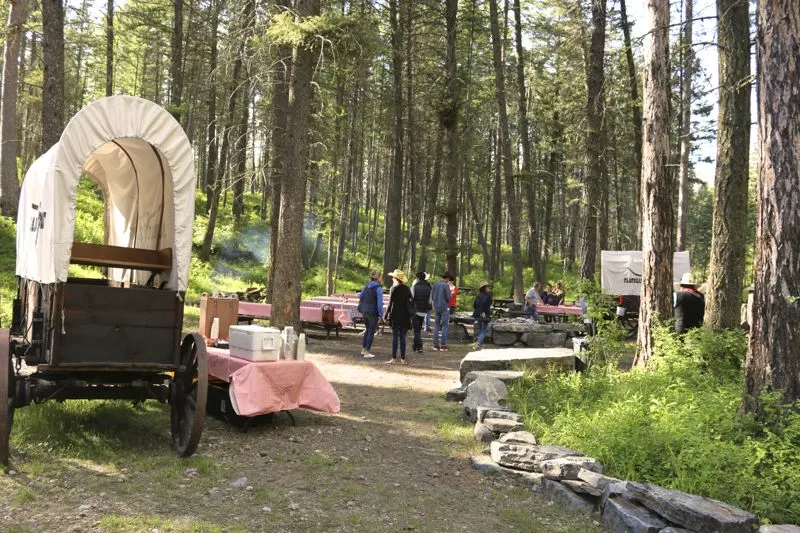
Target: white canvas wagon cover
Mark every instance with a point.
(141, 160)
(621, 271)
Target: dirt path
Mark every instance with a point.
(394, 459)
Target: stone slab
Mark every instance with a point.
(623, 516)
(503, 425)
(484, 392)
(503, 414)
(521, 326)
(483, 463)
(505, 338)
(568, 499)
(527, 457)
(779, 528)
(581, 487)
(506, 376)
(536, 359)
(568, 467)
(519, 437)
(595, 479)
(692, 512)
(482, 433)
(457, 394)
(551, 339)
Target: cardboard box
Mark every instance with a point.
(226, 309)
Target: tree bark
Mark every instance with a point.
(657, 211)
(428, 219)
(506, 155)
(449, 120)
(240, 178)
(288, 264)
(211, 135)
(729, 225)
(686, 123)
(9, 183)
(773, 358)
(110, 48)
(176, 61)
(53, 72)
(394, 193)
(636, 114)
(595, 141)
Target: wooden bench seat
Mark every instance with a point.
(103, 255)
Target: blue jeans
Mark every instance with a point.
(531, 312)
(483, 326)
(371, 321)
(399, 337)
(440, 324)
(418, 320)
(428, 321)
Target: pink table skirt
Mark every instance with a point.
(559, 310)
(307, 314)
(258, 388)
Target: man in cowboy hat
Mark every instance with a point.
(690, 305)
(440, 295)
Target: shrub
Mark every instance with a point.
(676, 424)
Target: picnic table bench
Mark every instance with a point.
(328, 317)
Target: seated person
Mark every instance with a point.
(558, 294)
(544, 296)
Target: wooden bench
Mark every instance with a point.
(103, 255)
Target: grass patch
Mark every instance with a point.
(24, 496)
(676, 425)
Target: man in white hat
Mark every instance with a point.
(690, 305)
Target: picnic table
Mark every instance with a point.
(309, 314)
(263, 387)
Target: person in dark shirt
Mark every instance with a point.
(690, 305)
(482, 313)
(399, 314)
(421, 296)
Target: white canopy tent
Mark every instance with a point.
(141, 160)
(621, 272)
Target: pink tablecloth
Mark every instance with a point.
(258, 388)
(343, 316)
(559, 310)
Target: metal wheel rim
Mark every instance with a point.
(188, 409)
(6, 397)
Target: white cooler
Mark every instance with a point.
(255, 343)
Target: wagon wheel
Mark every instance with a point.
(189, 394)
(7, 381)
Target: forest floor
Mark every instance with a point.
(395, 458)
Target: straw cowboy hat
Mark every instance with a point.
(484, 284)
(399, 275)
(687, 281)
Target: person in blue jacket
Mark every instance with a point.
(482, 313)
(370, 305)
(440, 295)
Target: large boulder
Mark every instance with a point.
(483, 433)
(484, 392)
(484, 463)
(620, 514)
(506, 376)
(518, 325)
(693, 512)
(568, 467)
(519, 437)
(505, 338)
(458, 333)
(565, 497)
(549, 339)
(539, 360)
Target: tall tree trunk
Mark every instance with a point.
(176, 61)
(280, 111)
(392, 232)
(428, 218)
(288, 264)
(240, 178)
(553, 164)
(497, 208)
(506, 155)
(657, 249)
(449, 119)
(527, 175)
(211, 135)
(636, 113)
(773, 357)
(686, 124)
(110, 48)
(9, 183)
(729, 226)
(53, 73)
(595, 141)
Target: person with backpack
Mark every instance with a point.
(399, 315)
(421, 296)
(440, 296)
(370, 305)
(482, 313)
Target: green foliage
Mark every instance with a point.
(677, 424)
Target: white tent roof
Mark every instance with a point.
(142, 161)
(621, 271)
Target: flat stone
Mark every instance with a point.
(675, 530)
(539, 360)
(483, 433)
(568, 467)
(621, 515)
(505, 338)
(614, 489)
(568, 499)
(504, 414)
(484, 392)
(595, 479)
(458, 333)
(692, 512)
(456, 395)
(503, 425)
(527, 457)
(779, 528)
(581, 487)
(549, 339)
(483, 463)
(506, 376)
(519, 437)
(521, 326)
